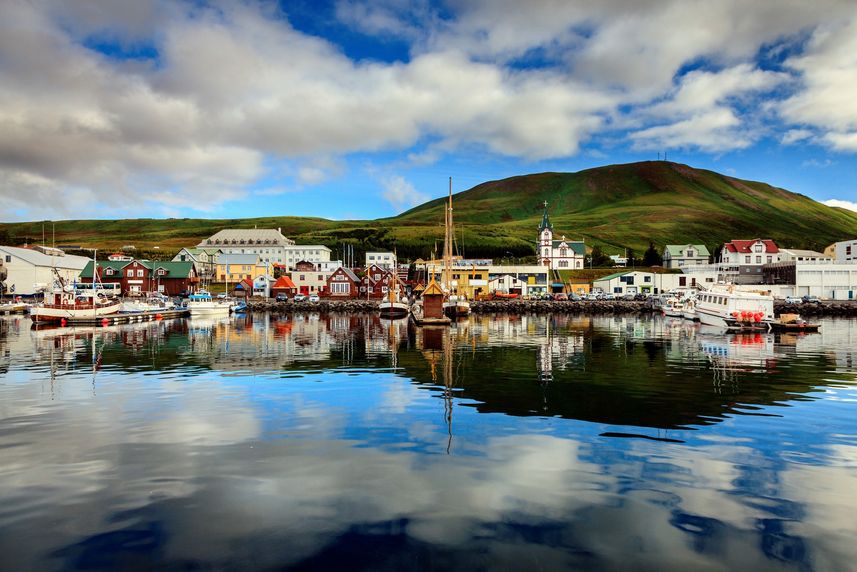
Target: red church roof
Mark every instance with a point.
(283, 282)
(743, 246)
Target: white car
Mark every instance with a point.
(794, 300)
(313, 297)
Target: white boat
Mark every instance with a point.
(688, 312)
(202, 304)
(392, 307)
(12, 307)
(673, 308)
(62, 305)
(727, 307)
(148, 304)
(454, 304)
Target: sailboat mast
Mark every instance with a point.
(447, 242)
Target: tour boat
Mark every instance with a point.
(392, 307)
(735, 309)
(673, 308)
(62, 304)
(454, 304)
(202, 304)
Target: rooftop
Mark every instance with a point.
(246, 236)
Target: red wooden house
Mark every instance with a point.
(343, 283)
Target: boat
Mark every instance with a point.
(62, 304)
(153, 302)
(202, 304)
(392, 307)
(13, 307)
(688, 312)
(673, 308)
(65, 303)
(735, 309)
(454, 304)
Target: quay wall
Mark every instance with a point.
(827, 308)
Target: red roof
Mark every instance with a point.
(283, 282)
(747, 245)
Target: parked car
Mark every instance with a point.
(793, 300)
(222, 296)
(560, 297)
(630, 297)
(281, 297)
(811, 300)
(608, 296)
(574, 298)
(300, 298)
(592, 296)
(640, 297)
(313, 298)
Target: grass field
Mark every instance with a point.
(615, 207)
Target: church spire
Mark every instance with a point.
(546, 222)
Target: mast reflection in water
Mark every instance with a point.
(348, 442)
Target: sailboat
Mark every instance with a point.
(392, 307)
(454, 304)
(64, 304)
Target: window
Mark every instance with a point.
(563, 263)
(690, 254)
(547, 252)
(563, 252)
(109, 272)
(302, 277)
(758, 260)
(847, 252)
(771, 258)
(758, 248)
(130, 273)
(161, 272)
(647, 278)
(9, 256)
(746, 260)
(682, 281)
(320, 278)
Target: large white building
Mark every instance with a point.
(844, 251)
(268, 243)
(31, 270)
(747, 257)
(558, 254)
(639, 282)
(383, 259)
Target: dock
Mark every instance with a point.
(8, 309)
(127, 318)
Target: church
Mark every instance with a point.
(558, 254)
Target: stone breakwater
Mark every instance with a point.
(841, 309)
(832, 309)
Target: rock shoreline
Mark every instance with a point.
(833, 309)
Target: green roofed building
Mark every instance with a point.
(681, 255)
(137, 277)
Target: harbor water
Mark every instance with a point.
(348, 442)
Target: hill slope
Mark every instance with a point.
(616, 206)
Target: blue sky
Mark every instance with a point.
(348, 109)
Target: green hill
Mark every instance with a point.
(616, 207)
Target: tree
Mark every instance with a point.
(598, 258)
(652, 257)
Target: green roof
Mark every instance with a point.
(614, 275)
(578, 246)
(675, 250)
(174, 269)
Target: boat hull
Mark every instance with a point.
(52, 313)
(456, 309)
(393, 310)
(215, 310)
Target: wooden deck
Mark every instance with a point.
(127, 318)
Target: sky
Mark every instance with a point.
(347, 109)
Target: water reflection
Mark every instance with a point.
(321, 441)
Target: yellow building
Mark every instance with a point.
(472, 279)
(235, 267)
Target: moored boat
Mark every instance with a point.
(392, 307)
(65, 305)
(735, 309)
(202, 304)
(673, 308)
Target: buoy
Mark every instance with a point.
(63, 322)
(104, 321)
(159, 317)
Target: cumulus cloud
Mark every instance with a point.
(851, 206)
(400, 193)
(206, 100)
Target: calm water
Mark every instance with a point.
(344, 442)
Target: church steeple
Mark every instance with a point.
(546, 222)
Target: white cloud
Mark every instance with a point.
(236, 91)
(793, 136)
(400, 193)
(851, 206)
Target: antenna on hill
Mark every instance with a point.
(659, 155)
(665, 155)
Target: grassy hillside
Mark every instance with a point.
(616, 207)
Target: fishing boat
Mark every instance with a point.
(202, 304)
(150, 303)
(735, 309)
(673, 308)
(392, 307)
(64, 303)
(688, 311)
(454, 304)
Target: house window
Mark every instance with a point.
(770, 259)
(746, 260)
(140, 273)
(563, 252)
(647, 278)
(758, 248)
(563, 263)
(109, 272)
(758, 260)
(161, 271)
(682, 281)
(130, 273)
(302, 277)
(547, 253)
(847, 252)
(690, 254)
(9, 257)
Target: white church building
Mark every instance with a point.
(558, 254)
